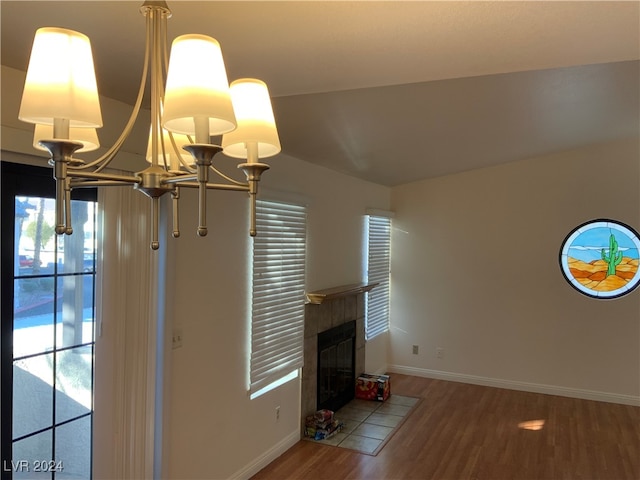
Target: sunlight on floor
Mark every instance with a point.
(532, 425)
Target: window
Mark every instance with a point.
(378, 257)
(277, 316)
(600, 258)
(48, 299)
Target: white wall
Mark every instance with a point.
(215, 430)
(475, 272)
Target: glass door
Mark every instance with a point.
(48, 333)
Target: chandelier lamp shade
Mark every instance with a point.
(202, 101)
(256, 125)
(61, 81)
(61, 98)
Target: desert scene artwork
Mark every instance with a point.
(602, 259)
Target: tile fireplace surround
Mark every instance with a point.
(327, 309)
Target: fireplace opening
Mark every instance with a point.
(336, 366)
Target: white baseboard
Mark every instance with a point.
(514, 385)
(381, 370)
(267, 457)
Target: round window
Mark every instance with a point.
(600, 258)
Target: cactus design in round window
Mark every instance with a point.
(600, 258)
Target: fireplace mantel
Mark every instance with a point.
(336, 292)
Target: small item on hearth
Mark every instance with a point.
(373, 387)
(323, 415)
(321, 425)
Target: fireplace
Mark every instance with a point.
(339, 309)
(336, 366)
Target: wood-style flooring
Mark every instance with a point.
(462, 431)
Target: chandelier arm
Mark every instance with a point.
(176, 150)
(215, 186)
(253, 229)
(99, 183)
(203, 178)
(161, 142)
(67, 206)
(189, 168)
(154, 39)
(106, 159)
(179, 178)
(165, 50)
(253, 171)
(129, 179)
(164, 65)
(61, 152)
(226, 177)
(61, 204)
(155, 220)
(202, 154)
(175, 197)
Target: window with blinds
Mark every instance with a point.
(277, 316)
(378, 271)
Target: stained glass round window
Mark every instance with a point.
(600, 258)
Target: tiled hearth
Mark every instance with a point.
(332, 307)
(368, 424)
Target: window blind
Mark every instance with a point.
(277, 316)
(378, 270)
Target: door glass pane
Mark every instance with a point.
(75, 253)
(73, 383)
(28, 452)
(73, 449)
(32, 394)
(74, 316)
(34, 236)
(33, 316)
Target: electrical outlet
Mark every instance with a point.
(176, 340)
(415, 349)
(439, 352)
(278, 413)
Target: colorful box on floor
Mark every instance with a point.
(373, 387)
(322, 425)
(323, 415)
(323, 433)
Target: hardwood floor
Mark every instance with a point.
(462, 431)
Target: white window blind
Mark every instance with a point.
(277, 318)
(378, 271)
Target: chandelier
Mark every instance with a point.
(188, 107)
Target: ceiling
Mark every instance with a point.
(392, 92)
